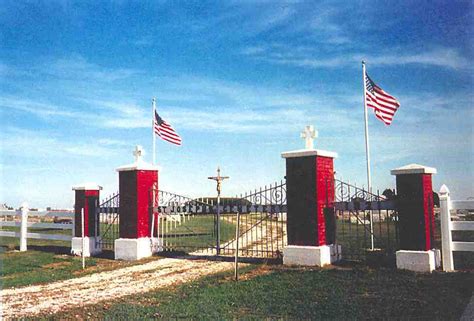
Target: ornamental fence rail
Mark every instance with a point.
(43, 225)
(448, 246)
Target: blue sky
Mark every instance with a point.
(238, 80)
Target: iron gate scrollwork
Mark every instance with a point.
(364, 222)
(190, 225)
(107, 222)
(262, 221)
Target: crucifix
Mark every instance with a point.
(138, 153)
(309, 134)
(219, 180)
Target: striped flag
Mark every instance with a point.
(384, 105)
(165, 131)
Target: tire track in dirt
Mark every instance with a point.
(94, 288)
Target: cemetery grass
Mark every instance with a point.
(278, 292)
(48, 261)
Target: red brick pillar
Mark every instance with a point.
(135, 188)
(310, 203)
(415, 217)
(87, 199)
(415, 206)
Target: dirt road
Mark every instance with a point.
(54, 297)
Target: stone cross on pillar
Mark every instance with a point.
(138, 153)
(309, 134)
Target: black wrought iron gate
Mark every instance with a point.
(107, 222)
(199, 226)
(364, 222)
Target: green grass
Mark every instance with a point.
(198, 232)
(51, 264)
(291, 293)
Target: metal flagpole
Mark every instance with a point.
(153, 131)
(367, 153)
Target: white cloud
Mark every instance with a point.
(311, 57)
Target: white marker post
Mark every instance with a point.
(236, 263)
(24, 227)
(83, 243)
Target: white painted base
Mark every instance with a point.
(136, 249)
(90, 246)
(311, 255)
(418, 261)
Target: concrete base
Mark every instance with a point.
(136, 249)
(418, 261)
(311, 255)
(90, 246)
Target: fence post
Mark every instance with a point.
(446, 237)
(24, 227)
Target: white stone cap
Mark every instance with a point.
(87, 186)
(139, 165)
(413, 169)
(308, 152)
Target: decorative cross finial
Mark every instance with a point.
(309, 134)
(138, 153)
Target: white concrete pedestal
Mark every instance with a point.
(418, 261)
(90, 246)
(136, 249)
(311, 255)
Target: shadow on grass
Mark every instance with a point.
(185, 256)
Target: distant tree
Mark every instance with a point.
(389, 194)
(435, 199)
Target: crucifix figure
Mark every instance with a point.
(138, 153)
(218, 179)
(309, 134)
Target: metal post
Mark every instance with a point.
(218, 180)
(153, 130)
(236, 263)
(24, 227)
(83, 241)
(446, 238)
(218, 232)
(367, 154)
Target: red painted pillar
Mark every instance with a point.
(136, 182)
(135, 185)
(87, 199)
(415, 206)
(310, 197)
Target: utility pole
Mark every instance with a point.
(219, 180)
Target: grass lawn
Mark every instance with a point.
(48, 261)
(197, 232)
(278, 292)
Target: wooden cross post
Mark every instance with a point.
(219, 180)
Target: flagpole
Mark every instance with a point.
(153, 130)
(367, 153)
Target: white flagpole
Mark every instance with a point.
(153, 130)
(367, 149)
(367, 153)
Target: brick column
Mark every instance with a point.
(135, 188)
(415, 217)
(87, 199)
(310, 203)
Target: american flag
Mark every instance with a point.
(165, 131)
(384, 105)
